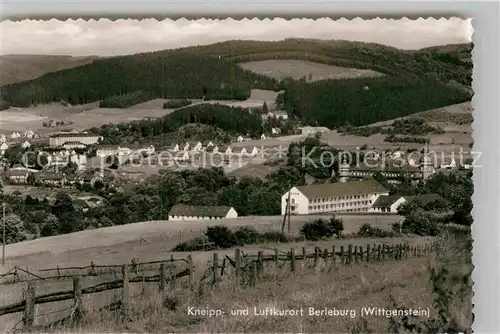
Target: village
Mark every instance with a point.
(77, 160)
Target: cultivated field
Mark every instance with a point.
(40, 192)
(17, 68)
(297, 69)
(120, 243)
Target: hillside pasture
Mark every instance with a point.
(81, 117)
(117, 243)
(312, 71)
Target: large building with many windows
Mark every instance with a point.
(59, 139)
(355, 196)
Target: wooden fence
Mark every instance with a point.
(247, 268)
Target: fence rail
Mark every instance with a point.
(247, 268)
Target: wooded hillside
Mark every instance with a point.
(414, 81)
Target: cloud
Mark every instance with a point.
(107, 38)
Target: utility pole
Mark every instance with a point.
(163, 77)
(3, 235)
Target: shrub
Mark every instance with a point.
(246, 235)
(367, 231)
(320, 228)
(421, 224)
(221, 236)
(191, 245)
(177, 103)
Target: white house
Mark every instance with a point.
(190, 212)
(240, 139)
(226, 150)
(356, 196)
(280, 114)
(451, 165)
(26, 144)
(197, 147)
(263, 136)
(397, 154)
(175, 148)
(186, 147)
(2, 138)
(106, 150)
(276, 131)
(15, 135)
(28, 134)
(308, 130)
(388, 203)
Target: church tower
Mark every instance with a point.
(344, 169)
(427, 165)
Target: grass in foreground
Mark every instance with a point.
(440, 282)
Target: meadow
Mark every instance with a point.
(415, 280)
(312, 71)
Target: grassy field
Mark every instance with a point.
(17, 68)
(40, 192)
(121, 243)
(386, 285)
(312, 71)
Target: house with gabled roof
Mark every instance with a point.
(354, 196)
(388, 203)
(192, 212)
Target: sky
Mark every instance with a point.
(110, 38)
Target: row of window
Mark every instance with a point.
(344, 210)
(194, 217)
(339, 205)
(340, 198)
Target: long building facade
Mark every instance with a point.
(355, 196)
(59, 139)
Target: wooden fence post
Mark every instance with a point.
(384, 252)
(368, 253)
(356, 254)
(349, 254)
(29, 308)
(216, 268)
(58, 272)
(260, 263)
(361, 255)
(304, 257)
(316, 256)
(325, 255)
(92, 268)
(292, 260)
(333, 255)
(162, 278)
(237, 263)
(276, 262)
(126, 292)
(253, 273)
(342, 255)
(172, 271)
(77, 292)
(191, 270)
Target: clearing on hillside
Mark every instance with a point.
(297, 69)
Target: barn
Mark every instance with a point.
(191, 212)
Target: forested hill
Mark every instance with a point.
(431, 78)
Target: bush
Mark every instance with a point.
(367, 231)
(193, 245)
(320, 228)
(221, 236)
(246, 235)
(174, 104)
(421, 224)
